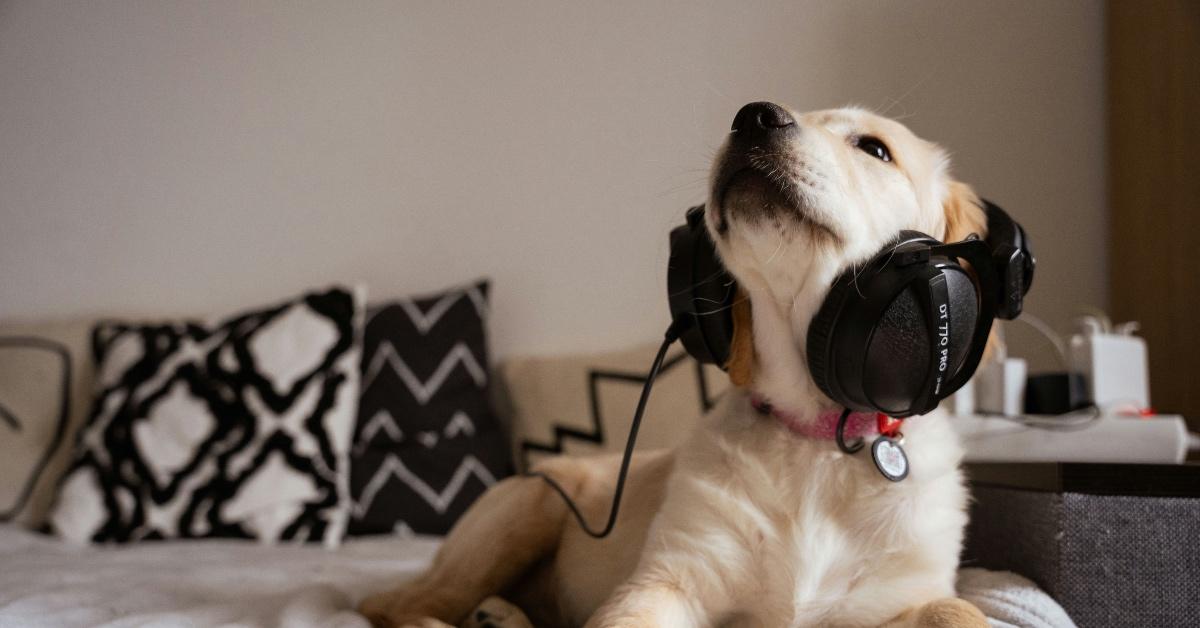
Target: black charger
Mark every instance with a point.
(1055, 393)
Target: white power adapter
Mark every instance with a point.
(1113, 361)
(1000, 387)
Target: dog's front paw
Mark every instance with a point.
(380, 610)
(950, 613)
(497, 613)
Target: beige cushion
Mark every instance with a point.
(545, 394)
(36, 450)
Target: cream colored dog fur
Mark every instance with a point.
(747, 524)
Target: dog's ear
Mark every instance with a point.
(741, 348)
(964, 216)
(964, 213)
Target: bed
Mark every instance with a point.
(46, 582)
(216, 582)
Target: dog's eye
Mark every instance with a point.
(873, 147)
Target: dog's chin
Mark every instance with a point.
(754, 198)
(751, 195)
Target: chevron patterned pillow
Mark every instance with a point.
(428, 442)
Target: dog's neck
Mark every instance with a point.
(786, 282)
(781, 374)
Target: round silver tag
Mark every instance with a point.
(889, 458)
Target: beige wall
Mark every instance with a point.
(189, 157)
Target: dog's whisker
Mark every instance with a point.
(681, 188)
(707, 279)
(723, 308)
(890, 102)
(906, 94)
(716, 91)
(729, 287)
(776, 252)
(856, 270)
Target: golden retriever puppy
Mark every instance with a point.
(748, 523)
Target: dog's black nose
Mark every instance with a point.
(759, 119)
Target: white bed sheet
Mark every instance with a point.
(47, 582)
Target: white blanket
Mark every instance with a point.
(47, 582)
(1011, 601)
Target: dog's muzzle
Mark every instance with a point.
(758, 139)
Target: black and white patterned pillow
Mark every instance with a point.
(237, 429)
(428, 442)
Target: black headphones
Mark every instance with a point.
(895, 335)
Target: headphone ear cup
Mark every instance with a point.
(907, 348)
(1030, 262)
(858, 318)
(700, 292)
(1012, 259)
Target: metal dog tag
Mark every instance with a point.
(889, 458)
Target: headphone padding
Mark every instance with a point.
(700, 292)
(820, 332)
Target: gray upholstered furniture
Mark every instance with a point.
(1116, 545)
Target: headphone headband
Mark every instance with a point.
(974, 252)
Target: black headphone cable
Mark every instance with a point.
(851, 448)
(671, 335)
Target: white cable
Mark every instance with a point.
(1049, 333)
(1000, 352)
(1068, 421)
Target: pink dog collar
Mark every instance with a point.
(824, 426)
